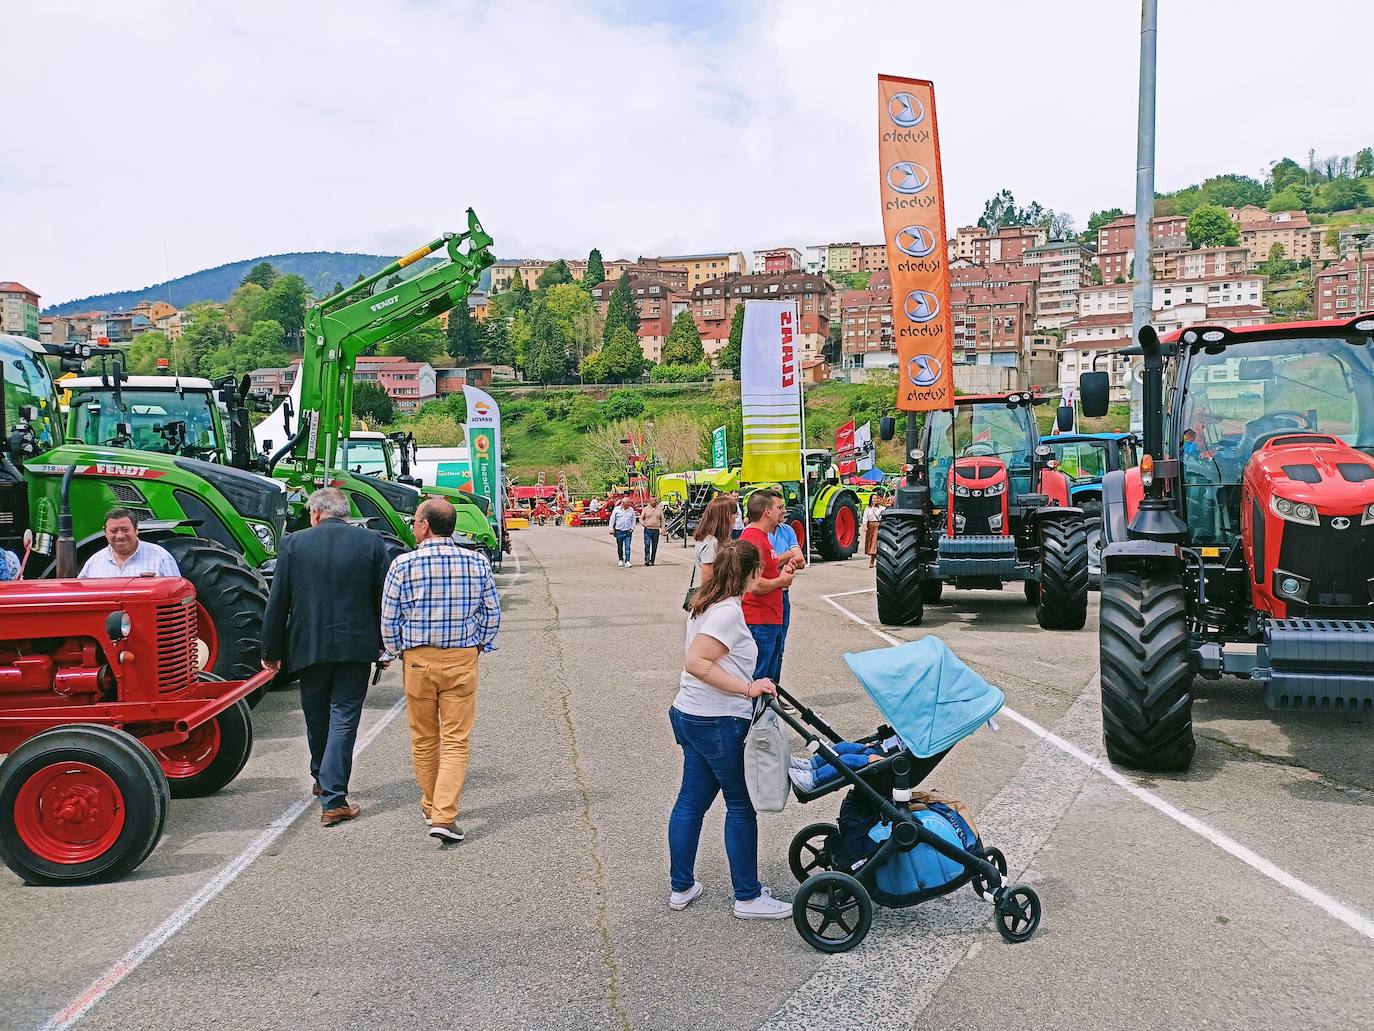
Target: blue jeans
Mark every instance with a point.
(713, 763)
(622, 544)
(855, 756)
(332, 695)
(650, 546)
(782, 642)
(769, 639)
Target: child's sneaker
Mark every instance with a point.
(803, 778)
(680, 900)
(765, 907)
(800, 762)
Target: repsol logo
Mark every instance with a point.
(909, 202)
(907, 136)
(385, 304)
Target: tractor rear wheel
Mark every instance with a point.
(837, 536)
(78, 806)
(796, 519)
(1147, 701)
(899, 570)
(212, 756)
(231, 601)
(1063, 600)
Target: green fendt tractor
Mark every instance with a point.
(221, 525)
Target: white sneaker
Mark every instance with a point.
(765, 907)
(680, 900)
(804, 779)
(801, 762)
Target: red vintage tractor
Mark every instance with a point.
(1243, 544)
(105, 715)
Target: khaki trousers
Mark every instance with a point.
(441, 700)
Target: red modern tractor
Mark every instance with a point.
(105, 715)
(1243, 544)
(981, 507)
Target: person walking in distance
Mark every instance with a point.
(322, 623)
(623, 530)
(440, 612)
(126, 555)
(738, 527)
(763, 603)
(651, 518)
(710, 717)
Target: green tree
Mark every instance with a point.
(1364, 162)
(1096, 221)
(547, 357)
(1342, 195)
(495, 330)
(464, 334)
(207, 333)
(618, 308)
(244, 307)
(584, 413)
(1331, 239)
(596, 270)
(263, 274)
(624, 404)
(518, 339)
(1095, 275)
(518, 296)
(422, 344)
(338, 288)
(1297, 197)
(683, 346)
(1210, 226)
(286, 302)
(1000, 210)
(621, 359)
(571, 307)
(371, 402)
(729, 356)
(1232, 191)
(1285, 173)
(147, 348)
(554, 275)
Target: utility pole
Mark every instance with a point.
(1143, 299)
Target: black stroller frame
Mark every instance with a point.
(833, 909)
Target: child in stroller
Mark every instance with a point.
(893, 845)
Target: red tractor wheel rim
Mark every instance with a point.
(192, 756)
(799, 530)
(69, 812)
(845, 527)
(208, 636)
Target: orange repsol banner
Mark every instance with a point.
(914, 230)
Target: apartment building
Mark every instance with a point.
(18, 310)
(843, 258)
(816, 260)
(408, 384)
(659, 303)
(777, 259)
(1214, 291)
(866, 337)
(1289, 229)
(503, 272)
(701, 267)
(1199, 264)
(964, 239)
(873, 257)
(992, 323)
(1063, 268)
(1116, 243)
(1009, 243)
(713, 306)
(1345, 289)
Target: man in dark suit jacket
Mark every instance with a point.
(324, 622)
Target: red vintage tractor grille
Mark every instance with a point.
(176, 646)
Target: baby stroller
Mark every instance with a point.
(881, 849)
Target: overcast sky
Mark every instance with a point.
(215, 130)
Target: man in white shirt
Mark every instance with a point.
(623, 529)
(126, 555)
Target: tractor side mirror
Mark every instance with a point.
(1256, 369)
(887, 427)
(29, 413)
(1063, 418)
(1094, 392)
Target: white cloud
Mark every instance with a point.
(233, 128)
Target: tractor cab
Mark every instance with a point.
(163, 414)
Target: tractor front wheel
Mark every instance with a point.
(1147, 700)
(1063, 600)
(899, 570)
(837, 536)
(78, 806)
(231, 601)
(212, 756)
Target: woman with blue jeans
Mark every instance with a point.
(710, 717)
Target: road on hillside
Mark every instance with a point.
(1236, 896)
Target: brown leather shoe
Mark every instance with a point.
(344, 813)
(317, 791)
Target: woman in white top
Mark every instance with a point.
(710, 717)
(872, 515)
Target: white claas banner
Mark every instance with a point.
(770, 392)
(271, 432)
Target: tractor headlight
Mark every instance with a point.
(959, 521)
(1368, 516)
(118, 625)
(960, 491)
(1294, 511)
(995, 522)
(265, 536)
(996, 489)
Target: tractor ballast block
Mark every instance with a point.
(981, 556)
(1320, 664)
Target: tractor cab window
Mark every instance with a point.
(1236, 400)
(29, 384)
(986, 430)
(369, 456)
(1082, 461)
(160, 420)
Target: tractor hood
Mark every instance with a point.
(1317, 469)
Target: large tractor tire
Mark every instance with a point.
(837, 534)
(212, 756)
(899, 571)
(164, 790)
(1147, 700)
(78, 806)
(231, 601)
(1063, 600)
(796, 519)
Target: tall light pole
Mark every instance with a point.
(1143, 300)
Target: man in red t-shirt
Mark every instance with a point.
(763, 607)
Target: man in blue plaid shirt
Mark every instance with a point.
(440, 611)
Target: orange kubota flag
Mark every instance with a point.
(914, 230)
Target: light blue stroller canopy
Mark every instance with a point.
(931, 699)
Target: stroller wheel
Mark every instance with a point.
(995, 857)
(812, 849)
(832, 911)
(1018, 913)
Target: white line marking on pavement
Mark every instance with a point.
(131, 960)
(1347, 915)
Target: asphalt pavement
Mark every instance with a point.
(1238, 895)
